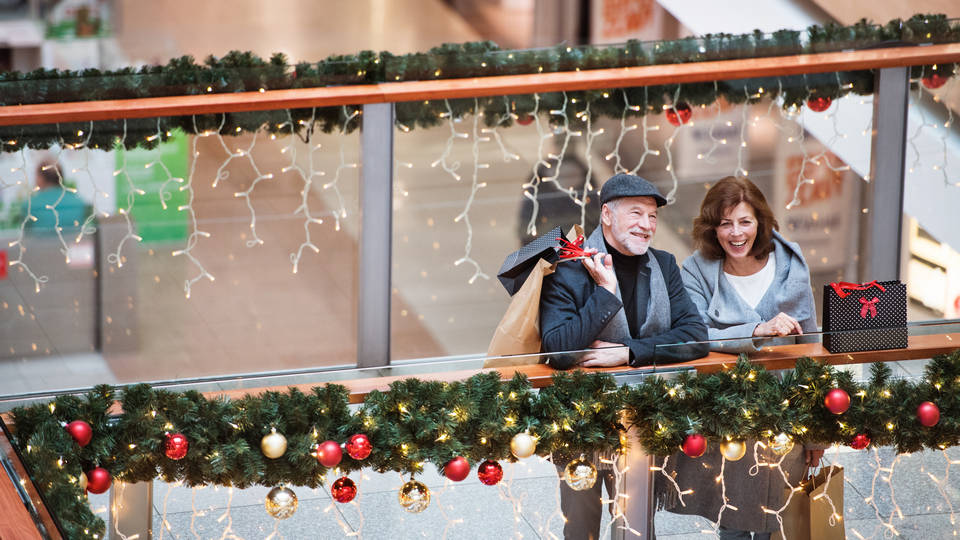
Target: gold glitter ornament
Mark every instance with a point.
(580, 474)
(733, 450)
(781, 444)
(414, 497)
(281, 502)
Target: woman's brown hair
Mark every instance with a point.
(724, 195)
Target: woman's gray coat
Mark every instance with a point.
(727, 315)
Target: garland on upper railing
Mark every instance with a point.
(416, 422)
(246, 72)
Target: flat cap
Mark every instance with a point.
(628, 185)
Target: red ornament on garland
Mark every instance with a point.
(525, 119)
(98, 480)
(490, 472)
(343, 490)
(860, 441)
(175, 446)
(694, 445)
(928, 414)
(329, 454)
(80, 431)
(679, 114)
(359, 446)
(837, 401)
(457, 469)
(819, 104)
(934, 81)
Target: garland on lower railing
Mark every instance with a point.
(185, 436)
(246, 72)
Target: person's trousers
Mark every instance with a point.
(583, 510)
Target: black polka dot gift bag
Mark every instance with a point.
(864, 317)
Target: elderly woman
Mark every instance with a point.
(747, 281)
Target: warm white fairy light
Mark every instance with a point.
(940, 95)
(87, 227)
(495, 133)
(532, 188)
(592, 134)
(505, 491)
(342, 165)
(195, 232)
(667, 146)
(449, 167)
(132, 192)
(306, 176)
(619, 501)
(823, 157)
(18, 243)
(165, 525)
(475, 186)
(742, 147)
(223, 174)
(708, 157)
(721, 479)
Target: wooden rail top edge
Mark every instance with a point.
(85, 111)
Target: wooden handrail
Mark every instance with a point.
(85, 111)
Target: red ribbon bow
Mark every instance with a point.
(869, 306)
(843, 288)
(572, 250)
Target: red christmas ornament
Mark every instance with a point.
(343, 490)
(819, 104)
(694, 445)
(934, 81)
(457, 469)
(175, 446)
(329, 453)
(525, 119)
(837, 401)
(860, 441)
(489, 472)
(359, 446)
(80, 431)
(679, 114)
(928, 414)
(98, 480)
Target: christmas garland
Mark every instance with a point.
(295, 438)
(246, 72)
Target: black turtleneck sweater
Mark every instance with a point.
(631, 270)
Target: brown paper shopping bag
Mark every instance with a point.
(519, 329)
(816, 510)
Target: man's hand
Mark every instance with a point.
(600, 266)
(781, 325)
(606, 355)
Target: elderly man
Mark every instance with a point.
(626, 294)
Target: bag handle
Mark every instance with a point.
(843, 288)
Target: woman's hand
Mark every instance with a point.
(781, 325)
(812, 457)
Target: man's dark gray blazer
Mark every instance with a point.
(574, 309)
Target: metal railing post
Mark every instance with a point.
(887, 162)
(376, 209)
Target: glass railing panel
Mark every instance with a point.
(213, 245)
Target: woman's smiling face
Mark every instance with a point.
(737, 230)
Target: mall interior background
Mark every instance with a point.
(95, 321)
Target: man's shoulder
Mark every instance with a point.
(663, 257)
(569, 271)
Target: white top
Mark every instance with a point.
(752, 288)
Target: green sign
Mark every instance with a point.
(155, 171)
